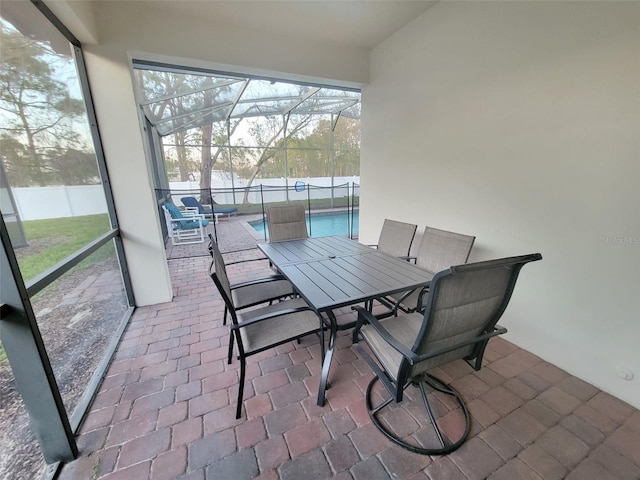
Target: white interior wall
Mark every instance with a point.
(519, 122)
(142, 29)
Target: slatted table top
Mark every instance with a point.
(306, 249)
(333, 272)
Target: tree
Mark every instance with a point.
(269, 138)
(36, 106)
(211, 154)
(310, 155)
(74, 167)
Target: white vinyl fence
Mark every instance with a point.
(38, 203)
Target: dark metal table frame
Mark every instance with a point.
(334, 272)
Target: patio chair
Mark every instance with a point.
(286, 222)
(184, 227)
(214, 211)
(259, 329)
(438, 250)
(253, 292)
(396, 238)
(464, 305)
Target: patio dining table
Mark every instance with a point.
(334, 272)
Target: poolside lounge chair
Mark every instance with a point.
(260, 329)
(464, 305)
(192, 202)
(184, 227)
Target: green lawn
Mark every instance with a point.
(51, 241)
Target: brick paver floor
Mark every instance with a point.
(165, 409)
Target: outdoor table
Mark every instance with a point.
(334, 272)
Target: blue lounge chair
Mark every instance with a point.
(184, 227)
(191, 202)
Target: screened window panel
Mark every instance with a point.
(48, 160)
(52, 196)
(78, 315)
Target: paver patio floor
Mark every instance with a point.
(165, 409)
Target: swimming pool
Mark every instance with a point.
(323, 224)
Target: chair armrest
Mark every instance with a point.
(406, 295)
(257, 281)
(189, 218)
(245, 261)
(192, 213)
(423, 291)
(497, 330)
(364, 315)
(267, 316)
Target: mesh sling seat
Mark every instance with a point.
(396, 238)
(286, 222)
(252, 292)
(438, 250)
(259, 329)
(462, 309)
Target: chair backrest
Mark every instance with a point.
(440, 249)
(167, 220)
(465, 302)
(172, 212)
(193, 203)
(286, 222)
(396, 237)
(218, 273)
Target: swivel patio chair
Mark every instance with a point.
(286, 222)
(396, 238)
(214, 211)
(464, 305)
(250, 293)
(263, 328)
(184, 227)
(438, 250)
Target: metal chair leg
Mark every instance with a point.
(230, 352)
(446, 445)
(240, 388)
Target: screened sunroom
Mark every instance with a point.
(243, 142)
(515, 122)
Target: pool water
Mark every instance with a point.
(323, 224)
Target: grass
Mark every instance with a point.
(52, 240)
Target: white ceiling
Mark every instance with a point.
(350, 23)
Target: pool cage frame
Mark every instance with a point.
(314, 197)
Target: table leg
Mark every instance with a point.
(326, 364)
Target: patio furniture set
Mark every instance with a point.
(437, 308)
